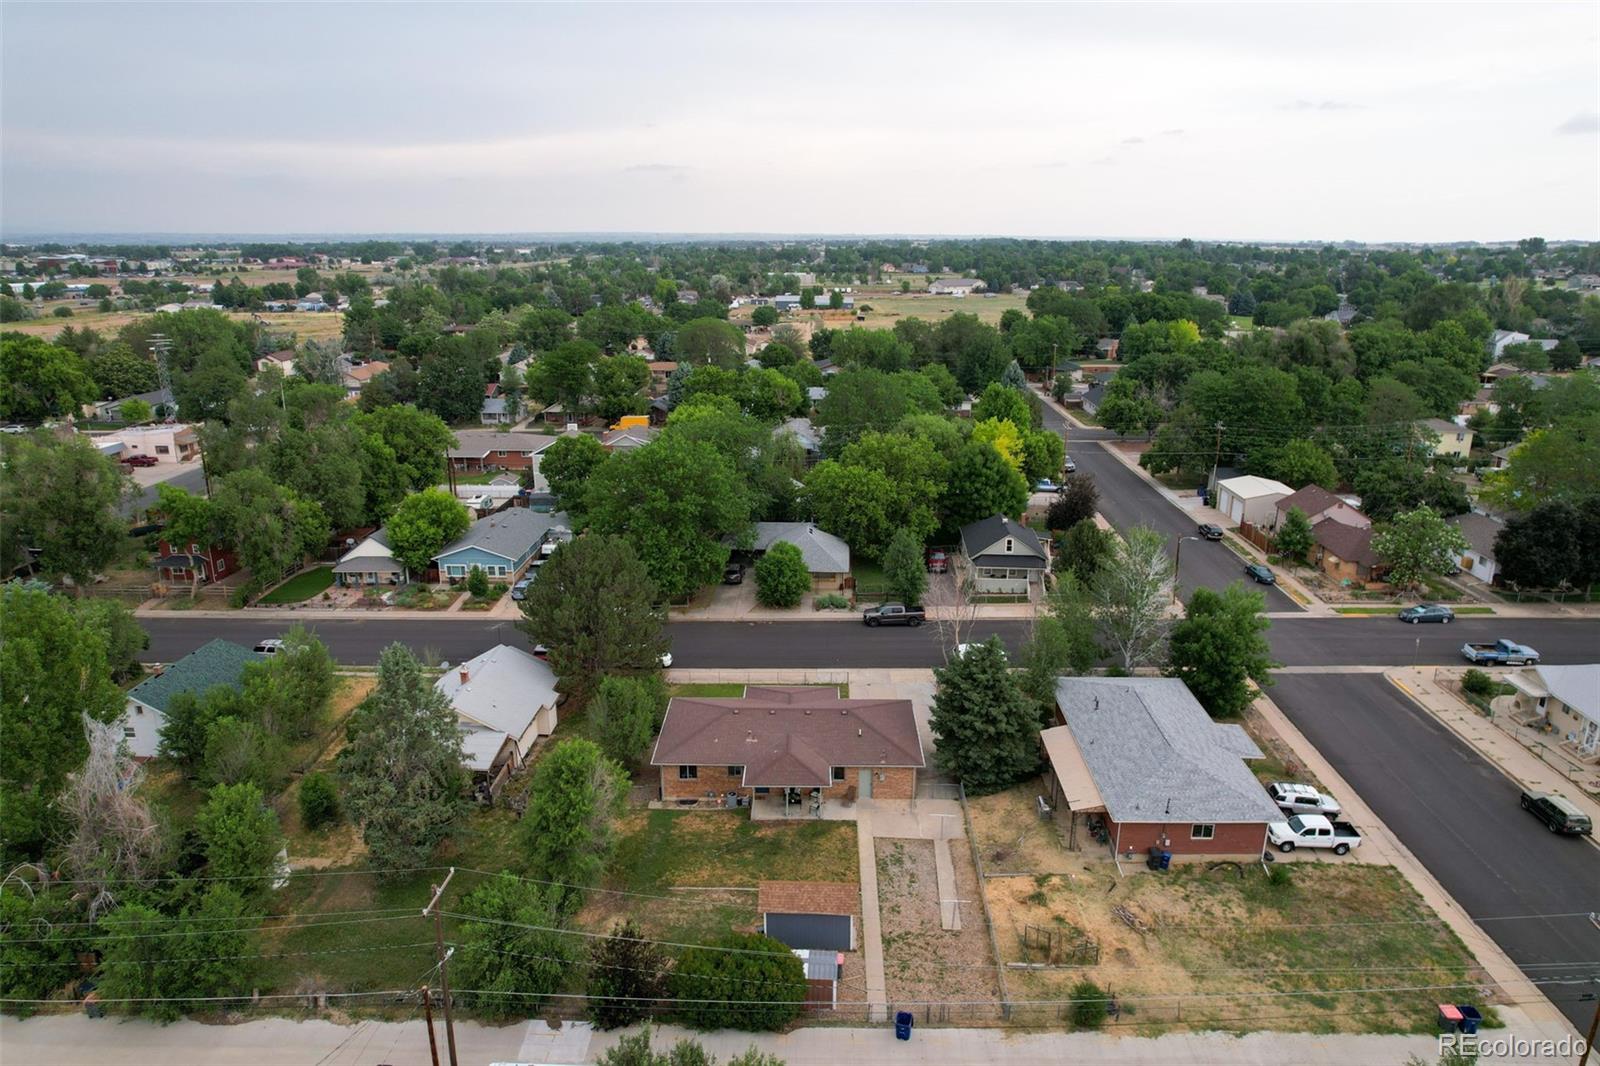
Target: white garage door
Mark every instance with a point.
(1235, 508)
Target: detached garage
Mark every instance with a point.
(812, 915)
(1251, 499)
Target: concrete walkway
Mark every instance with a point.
(74, 1040)
(871, 921)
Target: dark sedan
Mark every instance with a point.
(1209, 531)
(1427, 612)
(1261, 575)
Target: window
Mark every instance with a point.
(162, 449)
(501, 454)
(688, 773)
(1011, 545)
(1202, 832)
(127, 732)
(735, 771)
(838, 773)
(456, 571)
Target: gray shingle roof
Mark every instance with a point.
(987, 532)
(823, 552)
(1480, 531)
(509, 534)
(218, 662)
(1156, 756)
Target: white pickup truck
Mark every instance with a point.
(1294, 798)
(1313, 831)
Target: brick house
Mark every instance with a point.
(194, 561)
(1142, 755)
(477, 450)
(1343, 552)
(1317, 503)
(788, 746)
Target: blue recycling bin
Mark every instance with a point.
(902, 1025)
(1471, 1018)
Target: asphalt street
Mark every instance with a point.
(1295, 641)
(1461, 817)
(1127, 500)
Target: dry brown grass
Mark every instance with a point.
(922, 961)
(306, 326)
(1011, 836)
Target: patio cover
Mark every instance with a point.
(1066, 761)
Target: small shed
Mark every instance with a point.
(823, 969)
(812, 915)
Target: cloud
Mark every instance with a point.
(1172, 133)
(1324, 105)
(1133, 140)
(1583, 122)
(654, 168)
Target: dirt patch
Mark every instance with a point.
(1011, 836)
(1227, 949)
(922, 961)
(1281, 762)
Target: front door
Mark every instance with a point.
(864, 789)
(1590, 739)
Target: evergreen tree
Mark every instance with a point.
(742, 981)
(507, 966)
(904, 568)
(567, 831)
(626, 973)
(988, 729)
(1294, 535)
(625, 712)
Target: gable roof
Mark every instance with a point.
(477, 443)
(807, 897)
(504, 688)
(987, 532)
(823, 552)
(372, 555)
(510, 534)
(1312, 499)
(629, 437)
(788, 737)
(1479, 529)
(1576, 686)
(218, 662)
(1156, 756)
(1353, 544)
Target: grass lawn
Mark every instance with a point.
(302, 586)
(1242, 952)
(482, 477)
(871, 585)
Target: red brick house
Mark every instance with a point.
(1142, 756)
(186, 562)
(788, 746)
(477, 450)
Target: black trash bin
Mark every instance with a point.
(1471, 1018)
(902, 1025)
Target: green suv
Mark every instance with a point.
(1557, 813)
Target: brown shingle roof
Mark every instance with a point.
(808, 897)
(1351, 543)
(788, 737)
(1312, 499)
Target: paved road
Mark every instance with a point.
(1460, 816)
(1295, 641)
(1128, 500)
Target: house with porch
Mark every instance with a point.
(370, 563)
(827, 557)
(786, 749)
(1140, 755)
(477, 450)
(194, 563)
(501, 544)
(1481, 530)
(1006, 557)
(144, 715)
(1567, 698)
(505, 700)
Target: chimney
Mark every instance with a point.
(858, 731)
(464, 676)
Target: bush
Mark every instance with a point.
(477, 583)
(1279, 877)
(1478, 683)
(1089, 1005)
(832, 601)
(756, 985)
(319, 801)
(782, 579)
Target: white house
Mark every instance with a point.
(505, 700)
(957, 287)
(145, 714)
(1006, 556)
(1480, 531)
(1252, 499)
(1501, 339)
(1568, 697)
(370, 562)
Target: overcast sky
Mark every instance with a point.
(1272, 121)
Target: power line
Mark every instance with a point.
(227, 958)
(212, 932)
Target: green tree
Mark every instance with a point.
(189, 718)
(740, 981)
(1043, 454)
(1131, 591)
(1003, 403)
(1084, 548)
(124, 637)
(1077, 501)
(856, 504)
(39, 380)
(136, 412)
(594, 607)
(402, 768)
(62, 497)
(239, 751)
(163, 966)
(55, 668)
(764, 316)
(240, 836)
(782, 579)
(627, 975)
(1294, 538)
(567, 831)
(711, 340)
(477, 583)
(1418, 543)
(1551, 546)
(674, 502)
(982, 484)
(987, 727)
(271, 527)
(567, 464)
(40, 941)
(1558, 463)
(625, 711)
(419, 440)
(619, 386)
(564, 375)
(1062, 643)
(512, 953)
(318, 800)
(1300, 463)
(904, 567)
(1220, 647)
(291, 692)
(424, 523)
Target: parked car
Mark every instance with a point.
(1293, 798)
(893, 614)
(1502, 652)
(1558, 813)
(1313, 831)
(666, 659)
(1069, 466)
(1209, 531)
(139, 460)
(1427, 612)
(1044, 484)
(938, 562)
(519, 591)
(733, 574)
(1261, 575)
(271, 646)
(13, 428)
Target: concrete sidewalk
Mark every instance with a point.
(74, 1040)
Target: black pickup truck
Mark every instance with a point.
(893, 614)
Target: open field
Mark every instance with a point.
(324, 325)
(890, 308)
(1231, 950)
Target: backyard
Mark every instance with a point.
(303, 586)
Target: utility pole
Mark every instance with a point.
(427, 1012)
(1588, 1042)
(444, 963)
(1216, 458)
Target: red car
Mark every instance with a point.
(140, 460)
(938, 562)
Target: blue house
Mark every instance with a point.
(501, 544)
